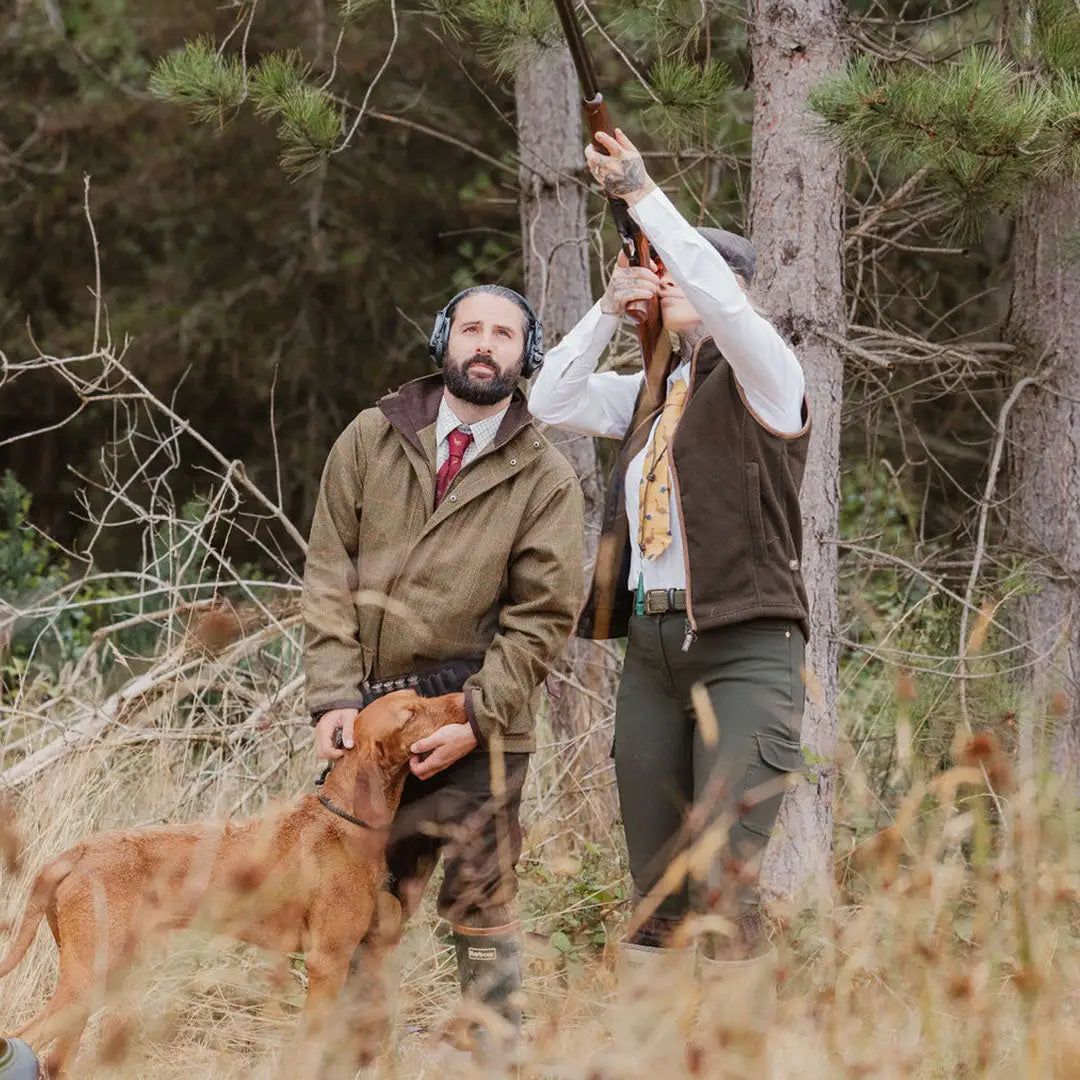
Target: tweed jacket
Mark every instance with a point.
(393, 585)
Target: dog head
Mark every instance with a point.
(370, 777)
(389, 726)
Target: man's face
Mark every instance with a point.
(485, 353)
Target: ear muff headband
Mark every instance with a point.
(534, 334)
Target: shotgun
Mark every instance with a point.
(655, 344)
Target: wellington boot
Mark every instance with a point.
(489, 973)
(737, 1009)
(652, 1009)
(645, 970)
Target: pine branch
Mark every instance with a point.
(450, 16)
(663, 24)
(1062, 157)
(1054, 35)
(684, 94)
(208, 85)
(511, 32)
(982, 129)
(311, 125)
(276, 76)
(353, 10)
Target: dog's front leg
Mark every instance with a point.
(324, 1022)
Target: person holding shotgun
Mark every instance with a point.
(699, 565)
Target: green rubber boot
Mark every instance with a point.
(489, 972)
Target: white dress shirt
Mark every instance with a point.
(483, 434)
(569, 393)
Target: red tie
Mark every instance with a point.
(459, 441)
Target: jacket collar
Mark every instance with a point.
(415, 406)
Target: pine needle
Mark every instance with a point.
(353, 10)
(310, 128)
(687, 93)
(208, 85)
(276, 76)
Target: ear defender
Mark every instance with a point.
(534, 333)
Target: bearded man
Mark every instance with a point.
(446, 554)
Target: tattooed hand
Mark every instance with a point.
(620, 172)
(626, 284)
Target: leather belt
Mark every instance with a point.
(661, 601)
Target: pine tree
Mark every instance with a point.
(796, 224)
(995, 131)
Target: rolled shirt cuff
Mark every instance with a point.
(470, 715)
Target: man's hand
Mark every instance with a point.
(621, 171)
(447, 745)
(626, 284)
(324, 732)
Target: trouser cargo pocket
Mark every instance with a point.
(765, 782)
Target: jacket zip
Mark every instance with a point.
(691, 622)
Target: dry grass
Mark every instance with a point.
(949, 950)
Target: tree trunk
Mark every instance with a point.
(556, 255)
(1044, 446)
(796, 202)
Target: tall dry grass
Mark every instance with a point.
(947, 949)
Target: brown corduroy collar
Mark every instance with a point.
(415, 406)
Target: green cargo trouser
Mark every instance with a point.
(752, 672)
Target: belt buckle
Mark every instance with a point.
(656, 602)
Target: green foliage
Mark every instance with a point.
(982, 129)
(689, 94)
(574, 899)
(668, 26)
(31, 570)
(104, 31)
(309, 129)
(26, 560)
(208, 85)
(275, 76)
(1050, 35)
(509, 32)
(352, 10)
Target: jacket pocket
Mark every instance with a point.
(753, 510)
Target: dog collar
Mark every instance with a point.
(349, 817)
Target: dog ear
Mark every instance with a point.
(369, 791)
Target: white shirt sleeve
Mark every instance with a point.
(567, 391)
(764, 364)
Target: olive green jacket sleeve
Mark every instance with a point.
(544, 593)
(334, 662)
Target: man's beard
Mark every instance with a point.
(458, 381)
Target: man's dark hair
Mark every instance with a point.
(533, 351)
(495, 290)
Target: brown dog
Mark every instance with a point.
(307, 878)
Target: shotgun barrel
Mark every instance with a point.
(655, 348)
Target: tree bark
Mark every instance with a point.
(556, 256)
(796, 202)
(1044, 447)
